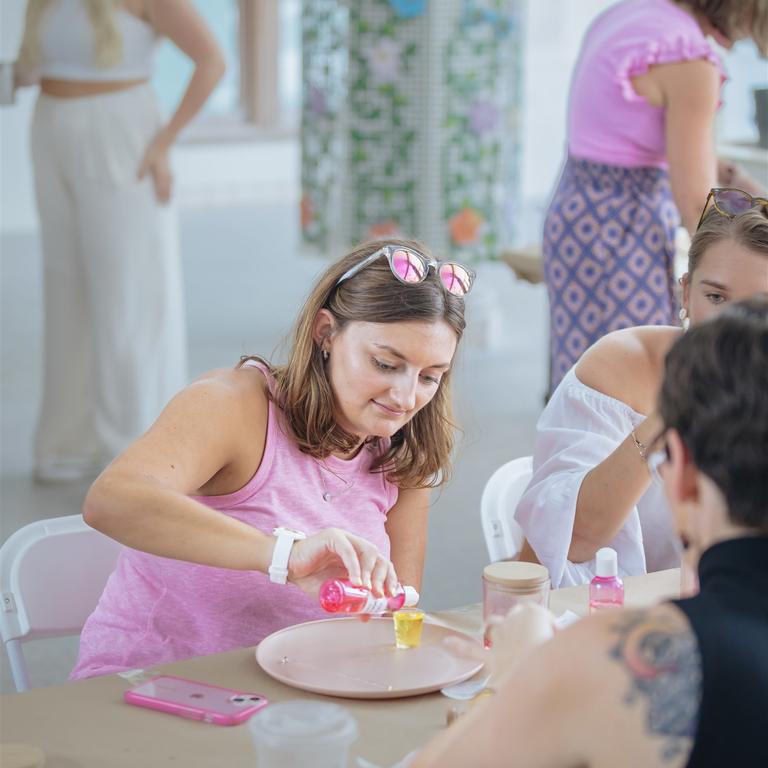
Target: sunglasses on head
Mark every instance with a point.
(411, 267)
(731, 202)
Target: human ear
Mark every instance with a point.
(681, 475)
(323, 327)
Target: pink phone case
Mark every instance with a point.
(197, 701)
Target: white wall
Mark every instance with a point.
(554, 32)
(16, 204)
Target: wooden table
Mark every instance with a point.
(87, 724)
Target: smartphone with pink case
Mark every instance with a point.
(196, 701)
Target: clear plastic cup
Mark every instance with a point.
(408, 625)
(295, 734)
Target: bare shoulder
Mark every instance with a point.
(644, 667)
(219, 406)
(237, 396)
(619, 688)
(245, 382)
(627, 364)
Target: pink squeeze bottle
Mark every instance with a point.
(341, 596)
(606, 590)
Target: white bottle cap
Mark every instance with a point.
(411, 597)
(607, 562)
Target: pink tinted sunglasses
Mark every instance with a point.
(411, 267)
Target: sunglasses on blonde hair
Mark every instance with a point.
(731, 202)
(411, 267)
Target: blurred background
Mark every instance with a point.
(248, 264)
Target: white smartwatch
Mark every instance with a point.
(278, 570)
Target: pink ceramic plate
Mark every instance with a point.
(358, 660)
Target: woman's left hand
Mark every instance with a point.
(513, 637)
(157, 163)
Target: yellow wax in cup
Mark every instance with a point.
(408, 624)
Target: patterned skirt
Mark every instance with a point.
(608, 256)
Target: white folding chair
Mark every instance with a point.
(52, 574)
(503, 536)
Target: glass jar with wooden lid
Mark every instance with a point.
(508, 582)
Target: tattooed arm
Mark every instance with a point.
(622, 688)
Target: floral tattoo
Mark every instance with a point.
(662, 658)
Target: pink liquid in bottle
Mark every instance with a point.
(606, 590)
(341, 596)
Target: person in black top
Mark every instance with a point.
(684, 683)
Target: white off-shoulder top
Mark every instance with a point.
(579, 428)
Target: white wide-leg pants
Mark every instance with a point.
(115, 331)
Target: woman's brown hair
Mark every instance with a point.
(749, 229)
(419, 454)
(736, 19)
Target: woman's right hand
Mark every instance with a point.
(156, 163)
(333, 554)
(23, 78)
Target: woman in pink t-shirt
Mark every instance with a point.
(342, 443)
(642, 105)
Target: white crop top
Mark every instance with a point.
(67, 48)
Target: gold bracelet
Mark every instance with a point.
(642, 449)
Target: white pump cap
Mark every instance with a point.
(607, 562)
(411, 597)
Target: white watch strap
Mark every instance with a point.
(278, 570)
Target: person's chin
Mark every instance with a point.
(382, 427)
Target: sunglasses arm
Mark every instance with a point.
(352, 271)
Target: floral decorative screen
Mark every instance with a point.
(409, 122)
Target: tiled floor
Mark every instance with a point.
(244, 281)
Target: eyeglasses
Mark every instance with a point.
(655, 460)
(730, 202)
(411, 267)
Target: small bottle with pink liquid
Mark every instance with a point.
(606, 590)
(341, 596)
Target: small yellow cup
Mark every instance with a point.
(408, 624)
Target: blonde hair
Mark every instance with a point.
(419, 454)
(107, 42)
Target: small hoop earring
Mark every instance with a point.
(683, 315)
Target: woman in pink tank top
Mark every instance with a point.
(342, 444)
(641, 157)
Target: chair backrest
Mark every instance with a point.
(503, 536)
(52, 574)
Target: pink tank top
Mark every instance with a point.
(156, 610)
(608, 122)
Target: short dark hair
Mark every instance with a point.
(715, 394)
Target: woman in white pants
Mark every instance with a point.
(115, 334)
